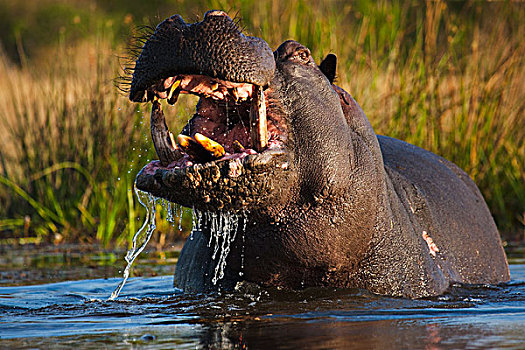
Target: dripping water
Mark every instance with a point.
(245, 221)
(223, 228)
(169, 211)
(141, 238)
(173, 210)
(180, 218)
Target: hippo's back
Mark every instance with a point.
(444, 202)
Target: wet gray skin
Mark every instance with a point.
(325, 201)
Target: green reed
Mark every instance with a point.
(445, 76)
(74, 146)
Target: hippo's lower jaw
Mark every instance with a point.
(217, 151)
(244, 181)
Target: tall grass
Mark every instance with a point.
(74, 146)
(445, 76)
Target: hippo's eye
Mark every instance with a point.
(301, 55)
(304, 55)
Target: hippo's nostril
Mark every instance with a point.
(215, 13)
(177, 21)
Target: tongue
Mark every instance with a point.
(258, 124)
(162, 138)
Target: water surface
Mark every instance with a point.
(150, 313)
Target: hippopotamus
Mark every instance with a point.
(289, 184)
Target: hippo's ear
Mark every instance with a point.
(328, 67)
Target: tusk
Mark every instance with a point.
(173, 87)
(258, 122)
(162, 138)
(215, 148)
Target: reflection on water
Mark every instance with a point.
(152, 313)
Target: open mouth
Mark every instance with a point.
(231, 134)
(230, 121)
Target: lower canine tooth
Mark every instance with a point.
(184, 141)
(162, 139)
(215, 149)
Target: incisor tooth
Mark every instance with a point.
(237, 147)
(215, 148)
(194, 149)
(184, 141)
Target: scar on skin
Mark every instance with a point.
(432, 247)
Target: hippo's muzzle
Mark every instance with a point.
(232, 145)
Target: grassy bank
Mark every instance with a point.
(445, 76)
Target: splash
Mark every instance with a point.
(141, 238)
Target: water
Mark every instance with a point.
(223, 230)
(141, 237)
(150, 313)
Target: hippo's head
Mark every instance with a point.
(268, 129)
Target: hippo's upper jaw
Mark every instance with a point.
(231, 146)
(214, 47)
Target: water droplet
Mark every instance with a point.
(180, 219)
